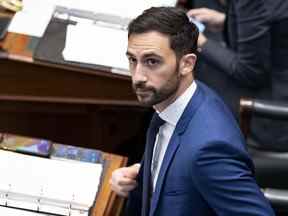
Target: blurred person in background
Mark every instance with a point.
(254, 58)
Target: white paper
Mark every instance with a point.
(30, 23)
(95, 44)
(48, 179)
(17, 212)
(33, 18)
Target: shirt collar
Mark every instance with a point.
(173, 112)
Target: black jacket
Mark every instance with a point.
(256, 58)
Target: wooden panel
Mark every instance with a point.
(107, 202)
(28, 81)
(118, 129)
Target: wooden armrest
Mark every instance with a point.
(265, 108)
(260, 108)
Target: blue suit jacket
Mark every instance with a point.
(206, 169)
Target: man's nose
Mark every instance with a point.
(139, 75)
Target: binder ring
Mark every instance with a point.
(38, 204)
(70, 205)
(7, 194)
(69, 209)
(41, 194)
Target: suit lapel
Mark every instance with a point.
(147, 173)
(171, 149)
(174, 143)
(145, 183)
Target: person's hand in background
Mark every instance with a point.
(123, 180)
(212, 19)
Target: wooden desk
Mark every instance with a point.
(67, 104)
(107, 203)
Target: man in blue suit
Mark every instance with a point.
(197, 164)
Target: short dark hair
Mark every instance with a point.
(170, 21)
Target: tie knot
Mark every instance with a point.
(156, 121)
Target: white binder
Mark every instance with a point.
(41, 185)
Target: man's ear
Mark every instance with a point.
(187, 64)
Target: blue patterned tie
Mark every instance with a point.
(155, 124)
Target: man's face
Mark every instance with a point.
(154, 68)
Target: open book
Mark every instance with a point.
(49, 186)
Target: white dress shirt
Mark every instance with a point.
(171, 116)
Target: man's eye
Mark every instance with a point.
(131, 60)
(152, 62)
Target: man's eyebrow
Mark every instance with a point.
(147, 55)
(129, 53)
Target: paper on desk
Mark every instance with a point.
(49, 179)
(93, 44)
(33, 18)
(32, 23)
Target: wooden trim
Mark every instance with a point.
(71, 100)
(107, 202)
(245, 115)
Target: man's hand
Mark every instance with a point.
(214, 20)
(201, 41)
(123, 179)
